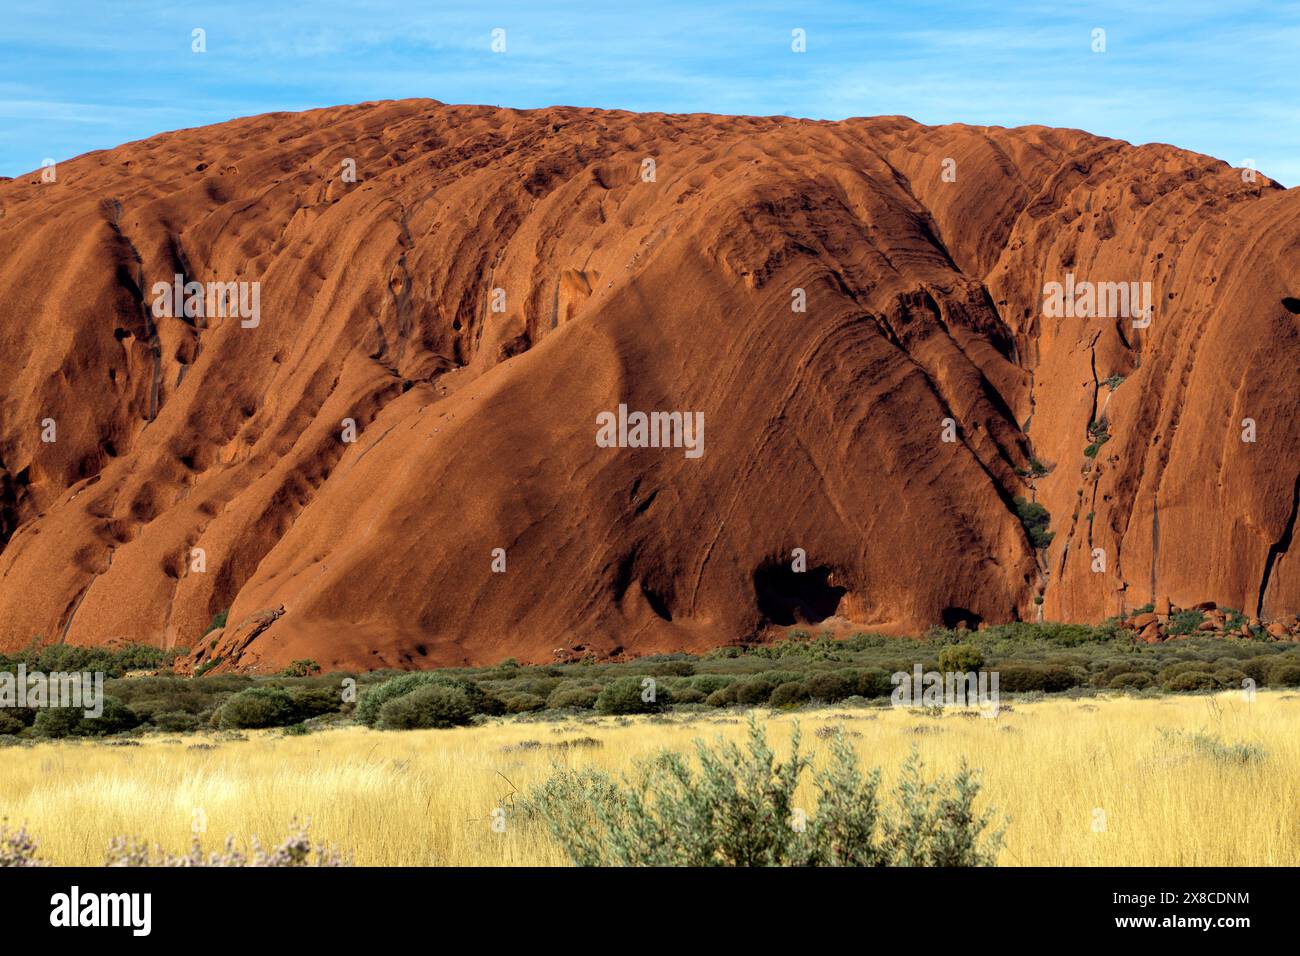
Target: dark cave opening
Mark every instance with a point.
(786, 596)
(955, 616)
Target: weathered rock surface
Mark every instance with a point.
(476, 428)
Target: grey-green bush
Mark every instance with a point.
(579, 698)
(257, 707)
(626, 695)
(789, 694)
(72, 722)
(431, 706)
(829, 687)
(960, 659)
(739, 809)
(1285, 675)
(374, 699)
(522, 703)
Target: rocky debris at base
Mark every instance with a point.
(1168, 622)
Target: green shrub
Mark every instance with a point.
(1129, 681)
(789, 695)
(373, 700)
(1257, 669)
(1035, 519)
(672, 668)
(1233, 619)
(829, 687)
(739, 807)
(1285, 675)
(14, 721)
(706, 684)
(1192, 680)
(752, 692)
(1185, 622)
(218, 621)
(721, 698)
(257, 707)
(688, 695)
(960, 659)
(578, 697)
(176, 722)
(874, 682)
(522, 703)
(1047, 678)
(627, 695)
(1118, 669)
(301, 668)
(311, 702)
(428, 706)
(72, 722)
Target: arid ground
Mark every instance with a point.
(1106, 781)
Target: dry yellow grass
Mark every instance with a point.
(425, 797)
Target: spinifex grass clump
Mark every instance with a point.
(739, 809)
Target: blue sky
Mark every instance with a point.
(1214, 77)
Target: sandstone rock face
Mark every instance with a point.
(495, 280)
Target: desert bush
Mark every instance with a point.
(1192, 680)
(707, 684)
(688, 695)
(176, 722)
(1285, 675)
(1229, 676)
(752, 692)
(257, 707)
(789, 695)
(1129, 681)
(14, 720)
(537, 686)
(522, 703)
(960, 659)
(672, 668)
(1186, 663)
(72, 722)
(1107, 675)
(739, 809)
(374, 699)
(580, 697)
(627, 695)
(428, 706)
(830, 687)
(1035, 519)
(303, 667)
(309, 702)
(1185, 622)
(874, 682)
(1016, 678)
